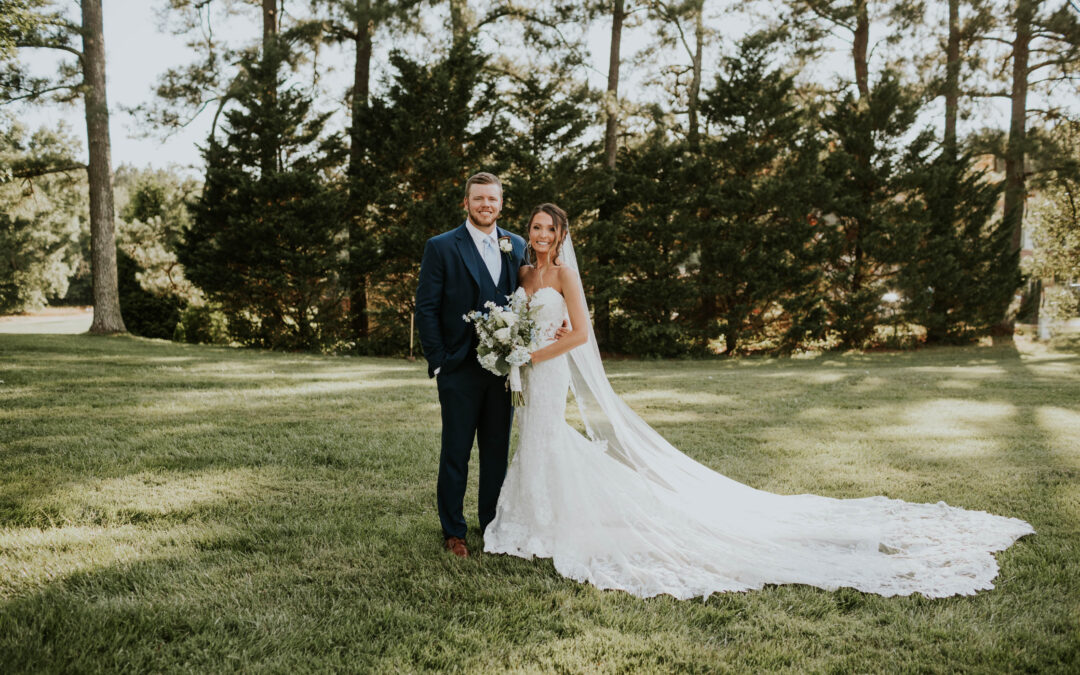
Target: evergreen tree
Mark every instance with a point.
(652, 299)
(265, 241)
(957, 284)
(872, 226)
(547, 149)
(760, 194)
(435, 126)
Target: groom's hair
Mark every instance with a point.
(482, 178)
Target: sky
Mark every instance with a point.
(139, 49)
(136, 53)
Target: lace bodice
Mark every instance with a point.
(550, 310)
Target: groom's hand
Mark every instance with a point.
(563, 329)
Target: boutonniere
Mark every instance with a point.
(505, 245)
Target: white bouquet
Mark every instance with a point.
(506, 336)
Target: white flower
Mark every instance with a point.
(505, 246)
(502, 335)
(519, 357)
(508, 318)
(489, 361)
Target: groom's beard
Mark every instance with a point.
(483, 220)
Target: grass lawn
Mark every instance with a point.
(171, 507)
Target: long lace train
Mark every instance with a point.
(685, 530)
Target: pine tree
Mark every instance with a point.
(653, 301)
(435, 126)
(956, 283)
(762, 189)
(266, 238)
(870, 171)
(44, 24)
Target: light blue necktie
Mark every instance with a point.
(491, 259)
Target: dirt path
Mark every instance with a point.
(53, 320)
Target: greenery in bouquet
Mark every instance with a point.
(506, 333)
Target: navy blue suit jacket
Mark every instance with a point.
(450, 286)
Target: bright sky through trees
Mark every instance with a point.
(140, 48)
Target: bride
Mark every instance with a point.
(621, 508)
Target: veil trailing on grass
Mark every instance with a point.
(678, 527)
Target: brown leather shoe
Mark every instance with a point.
(456, 545)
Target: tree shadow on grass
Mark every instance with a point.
(98, 415)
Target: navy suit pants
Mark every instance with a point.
(475, 404)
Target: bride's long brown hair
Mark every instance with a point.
(562, 227)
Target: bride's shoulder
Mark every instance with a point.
(568, 275)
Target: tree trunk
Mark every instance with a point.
(1015, 189)
(612, 104)
(952, 78)
(107, 317)
(269, 150)
(731, 339)
(459, 20)
(358, 315)
(937, 326)
(859, 47)
(1014, 152)
(693, 135)
(602, 309)
(270, 21)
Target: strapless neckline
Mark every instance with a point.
(544, 288)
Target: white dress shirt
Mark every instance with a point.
(488, 246)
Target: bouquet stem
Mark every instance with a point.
(517, 393)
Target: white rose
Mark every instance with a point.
(519, 357)
(505, 246)
(502, 335)
(488, 361)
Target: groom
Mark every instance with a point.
(461, 270)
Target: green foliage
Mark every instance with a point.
(961, 276)
(653, 297)
(1055, 217)
(265, 239)
(870, 227)
(435, 126)
(153, 216)
(758, 194)
(41, 221)
(145, 313)
(203, 323)
(1054, 227)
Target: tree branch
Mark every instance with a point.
(39, 92)
(1060, 78)
(64, 48)
(1049, 62)
(990, 38)
(667, 15)
(36, 172)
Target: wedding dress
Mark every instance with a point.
(623, 509)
